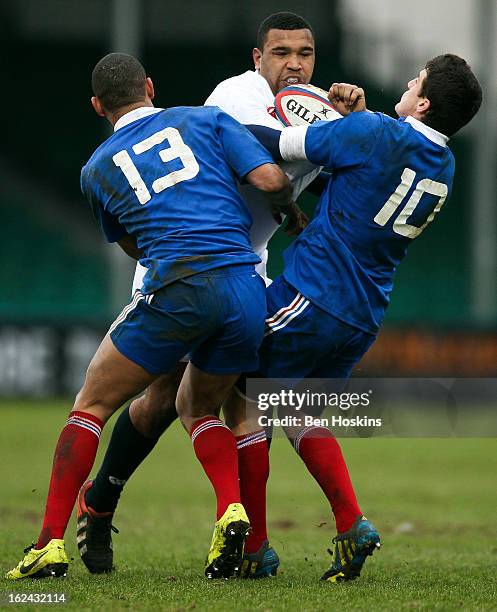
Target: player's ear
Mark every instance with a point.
(149, 88)
(256, 56)
(97, 106)
(423, 106)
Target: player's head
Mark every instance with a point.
(445, 95)
(285, 50)
(119, 83)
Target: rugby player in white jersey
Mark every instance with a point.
(284, 56)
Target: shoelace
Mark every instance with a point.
(26, 550)
(100, 527)
(333, 541)
(101, 522)
(328, 550)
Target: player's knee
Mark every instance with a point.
(190, 412)
(188, 409)
(92, 398)
(192, 403)
(186, 412)
(241, 415)
(93, 406)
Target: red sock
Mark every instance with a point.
(321, 453)
(73, 459)
(253, 468)
(215, 447)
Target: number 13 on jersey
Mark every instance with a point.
(400, 225)
(177, 150)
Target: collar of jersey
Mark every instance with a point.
(436, 137)
(134, 115)
(263, 83)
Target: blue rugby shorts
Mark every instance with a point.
(304, 341)
(216, 316)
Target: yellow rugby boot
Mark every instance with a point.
(47, 562)
(226, 552)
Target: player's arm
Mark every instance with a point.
(346, 143)
(116, 232)
(334, 144)
(270, 179)
(252, 163)
(245, 104)
(270, 139)
(331, 144)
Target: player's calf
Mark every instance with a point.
(153, 412)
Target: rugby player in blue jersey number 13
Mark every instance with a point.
(284, 54)
(164, 186)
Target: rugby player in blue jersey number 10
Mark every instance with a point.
(389, 180)
(163, 186)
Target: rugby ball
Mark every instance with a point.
(303, 105)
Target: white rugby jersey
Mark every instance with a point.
(248, 98)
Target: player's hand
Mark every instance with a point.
(296, 221)
(347, 98)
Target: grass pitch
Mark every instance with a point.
(433, 500)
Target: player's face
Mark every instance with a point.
(411, 99)
(286, 59)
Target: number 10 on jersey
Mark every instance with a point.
(400, 225)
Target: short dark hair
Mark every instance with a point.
(118, 80)
(280, 21)
(454, 93)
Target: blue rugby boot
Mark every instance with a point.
(261, 564)
(351, 549)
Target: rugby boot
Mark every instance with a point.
(50, 561)
(351, 550)
(261, 563)
(94, 535)
(230, 532)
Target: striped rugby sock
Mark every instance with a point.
(253, 469)
(215, 448)
(73, 459)
(322, 455)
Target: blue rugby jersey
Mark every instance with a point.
(168, 178)
(390, 178)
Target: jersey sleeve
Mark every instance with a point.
(335, 144)
(269, 138)
(109, 224)
(242, 150)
